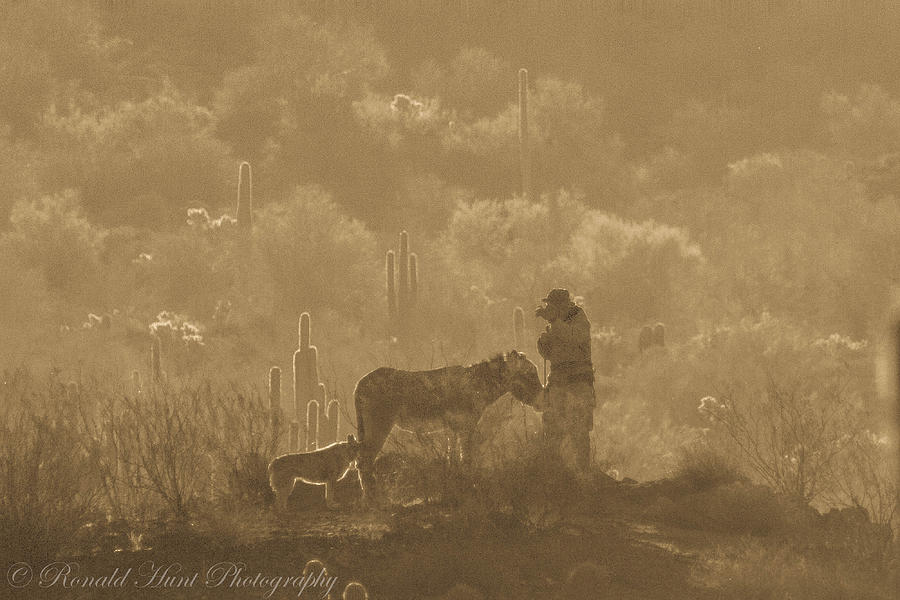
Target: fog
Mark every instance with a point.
(728, 171)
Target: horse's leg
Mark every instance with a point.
(377, 430)
(329, 493)
(282, 485)
(467, 447)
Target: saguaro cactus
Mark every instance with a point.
(645, 340)
(524, 142)
(413, 281)
(312, 426)
(519, 328)
(304, 330)
(403, 278)
(311, 406)
(330, 420)
(391, 292)
(402, 287)
(245, 198)
(654, 335)
(274, 395)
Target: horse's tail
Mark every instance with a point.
(360, 420)
(270, 471)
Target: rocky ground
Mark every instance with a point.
(597, 539)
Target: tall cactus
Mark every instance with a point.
(413, 281)
(403, 278)
(304, 330)
(659, 334)
(391, 293)
(524, 142)
(645, 339)
(245, 198)
(311, 407)
(519, 328)
(312, 426)
(402, 272)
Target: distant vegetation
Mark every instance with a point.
(732, 174)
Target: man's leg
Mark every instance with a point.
(585, 425)
(553, 430)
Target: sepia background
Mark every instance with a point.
(730, 171)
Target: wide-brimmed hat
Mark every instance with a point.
(558, 296)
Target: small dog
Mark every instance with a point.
(320, 467)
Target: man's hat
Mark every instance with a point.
(557, 296)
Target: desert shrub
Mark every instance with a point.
(184, 272)
(25, 305)
(242, 438)
(53, 236)
(181, 341)
(712, 135)
(702, 467)
(47, 487)
(474, 82)
(139, 163)
(865, 476)
(538, 490)
(316, 256)
(633, 437)
(421, 467)
(759, 569)
(48, 51)
(302, 128)
(166, 446)
(642, 266)
(796, 407)
(18, 165)
(572, 145)
(738, 507)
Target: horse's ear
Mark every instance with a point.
(351, 439)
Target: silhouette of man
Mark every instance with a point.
(569, 404)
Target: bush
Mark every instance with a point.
(47, 487)
(139, 163)
(738, 508)
(757, 569)
(316, 257)
(702, 467)
(53, 236)
(794, 407)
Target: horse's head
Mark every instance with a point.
(520, 378)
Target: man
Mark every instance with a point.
(569, 405)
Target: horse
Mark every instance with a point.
(452, 397)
